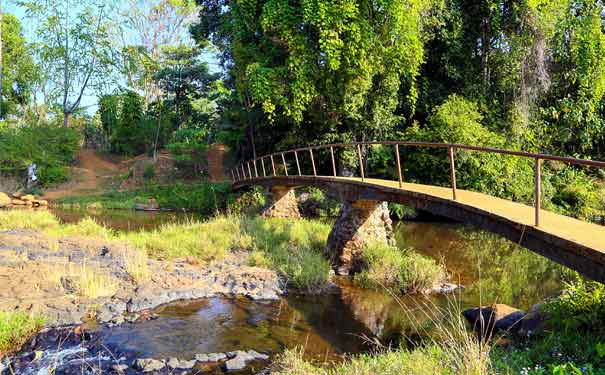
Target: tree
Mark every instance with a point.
(153, 25)
(19, 71)
(331, 70)
(184, 78)
(75, 47)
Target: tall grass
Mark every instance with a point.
(294, 248)
(448, 348)
(16, 328)
(400, 270)
(85, 280)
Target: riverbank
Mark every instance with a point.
(100, 275)
(205, 197)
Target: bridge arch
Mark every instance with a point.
(573, 243)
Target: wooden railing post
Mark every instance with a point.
(262, 163)
(273, 166)
(398, 166)
(297, 163)
(333, 161)
(363, 177)
(451, 151)
(255, 170)
(283, 159)
(233, 176)
(249, 170)
(244, 172)
(312, 161)
(538, 189)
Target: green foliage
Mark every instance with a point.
(458, 120)
(579, 309)
(19, 70)
(149, 172)
(401, 270)
(247, 203)
(204, 197)
(50, 147)
(314, 202)
(16, 328)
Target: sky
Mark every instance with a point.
(89, 101)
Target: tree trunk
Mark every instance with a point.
(65, 119)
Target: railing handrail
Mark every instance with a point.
(533, 155)
(451, 147)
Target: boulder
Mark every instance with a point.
(17, 202)
(148, 364)
(5, 200)
(236, 363)
(18, 194)
(175, 363)
(28, 198)
(497, 317)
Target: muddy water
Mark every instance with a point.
(329, 326)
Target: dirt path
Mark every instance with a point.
(91, 173)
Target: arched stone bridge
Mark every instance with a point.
(571, 242)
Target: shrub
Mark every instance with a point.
(249, 202)
(51, 148)
(53, 175)
(458, 120)
(402, 270)
(149, 172)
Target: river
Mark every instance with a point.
(330, 326)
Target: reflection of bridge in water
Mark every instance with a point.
(571, 242)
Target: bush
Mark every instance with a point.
(458, 120)
(53, 175)
(250, 202)
(51, 148)
(402, 270)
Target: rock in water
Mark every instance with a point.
(176, 363)
(236, 363)
(148, 364)
(498, 317)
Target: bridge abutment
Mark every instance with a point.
(359, 223)
(283, 203)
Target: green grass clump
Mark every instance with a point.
(205, 241)
(425, 361)
(16, 328)
(293, 247)
(25, 219)
(402, 270)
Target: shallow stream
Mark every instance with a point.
(335, 324)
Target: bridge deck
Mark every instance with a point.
(581, 232)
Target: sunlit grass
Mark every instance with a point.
(16, 328)
(136, 265)
(85, 280)
(401, 270)
(26, 219)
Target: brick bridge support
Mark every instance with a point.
(283, 203)
(359, 223)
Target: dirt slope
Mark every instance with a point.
(92, 172)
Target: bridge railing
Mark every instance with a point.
(250, 170)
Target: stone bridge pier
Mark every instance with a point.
(282, 204)
(359, 223)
